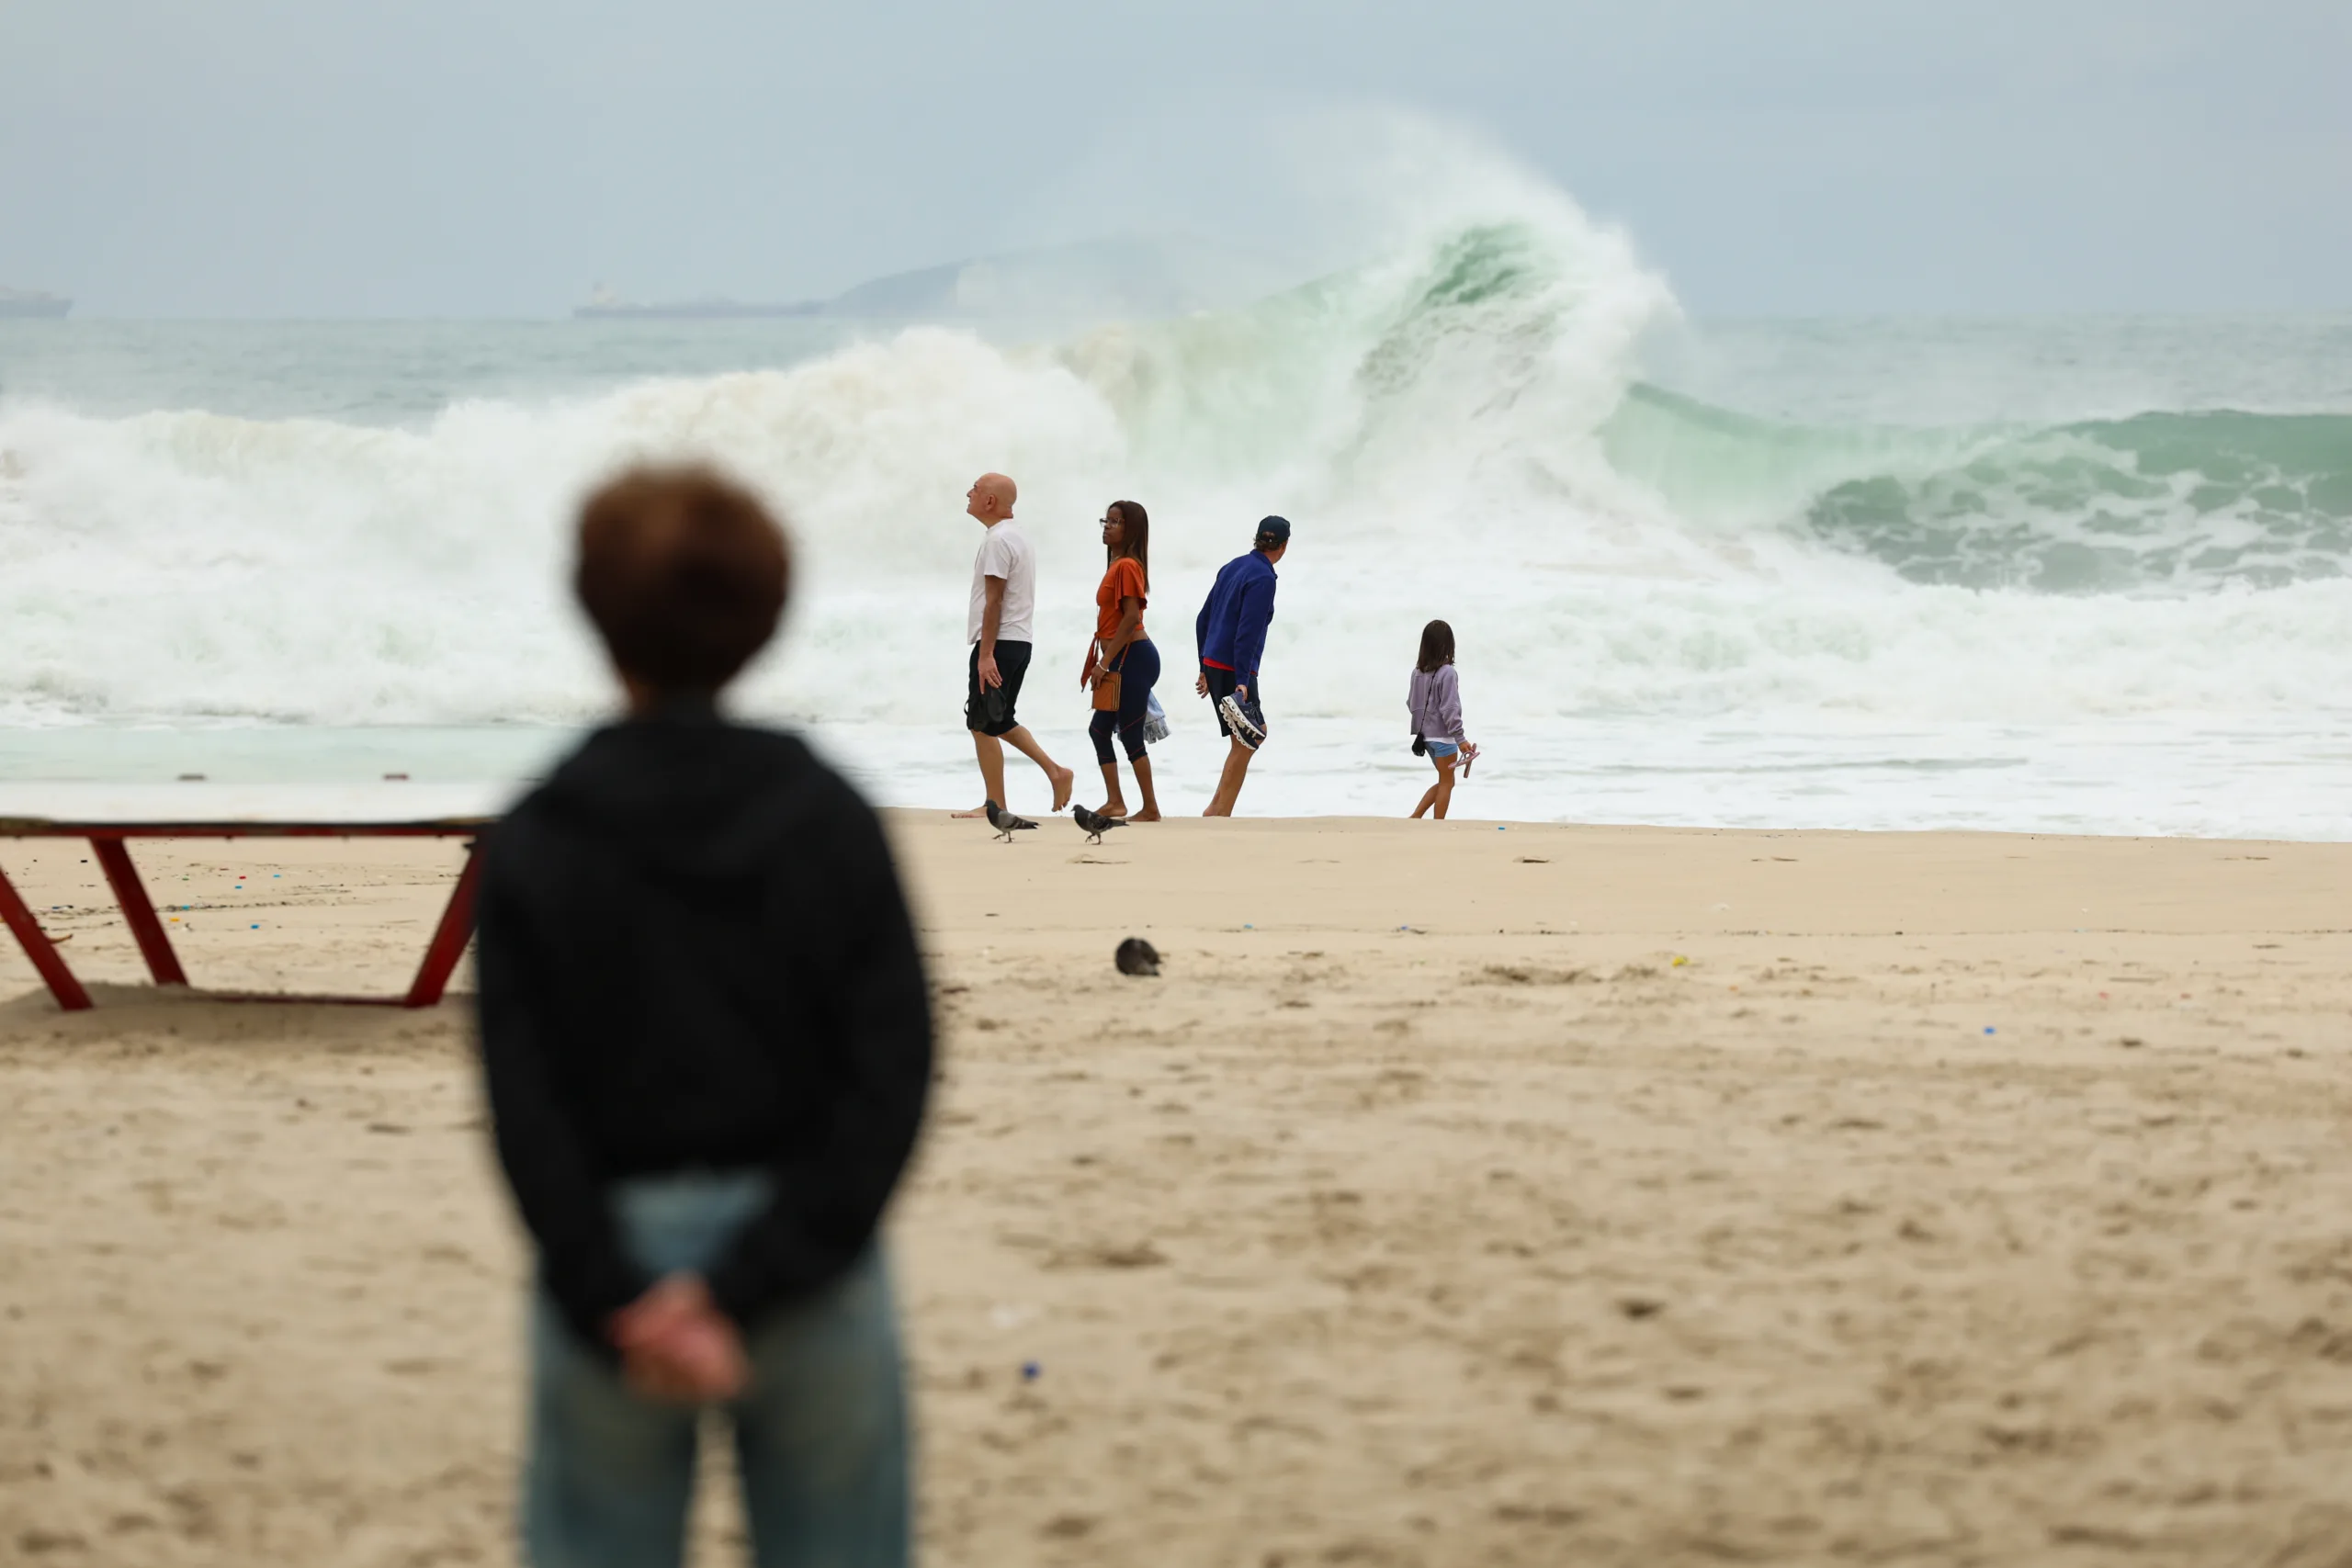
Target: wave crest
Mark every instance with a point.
(1460, 430)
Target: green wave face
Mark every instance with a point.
(2177, 500)
(1491, 369)
(1321, 368)
(2184, 500)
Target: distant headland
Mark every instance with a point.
(1116, 277)
(20, 303)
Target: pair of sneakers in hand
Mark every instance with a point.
(1243, 716)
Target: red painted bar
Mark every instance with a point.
(450, 937)
(138, 911)
(41, 950)
(110, 840)
(44, 827)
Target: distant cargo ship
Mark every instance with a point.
(606, 306)
(22, 302)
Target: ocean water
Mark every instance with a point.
(2085, 575)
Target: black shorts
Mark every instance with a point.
(990, 712)
(1221, 684)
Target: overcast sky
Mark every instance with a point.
(493, 157)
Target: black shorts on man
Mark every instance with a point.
(1221, 686)
(990, 712)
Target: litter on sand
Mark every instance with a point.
(1029, 1371)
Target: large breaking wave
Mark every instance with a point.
(1459, 429)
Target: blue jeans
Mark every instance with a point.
(820, 1432)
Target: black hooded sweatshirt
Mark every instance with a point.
(695, 954)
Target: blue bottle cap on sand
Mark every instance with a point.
(1029, 1371)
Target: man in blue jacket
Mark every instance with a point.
(1231, 634)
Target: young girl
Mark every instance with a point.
(1434, 699)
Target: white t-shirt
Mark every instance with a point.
(1005, 553)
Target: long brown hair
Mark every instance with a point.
(1135, 538)
(1437, 646)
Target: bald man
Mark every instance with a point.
(999, 627)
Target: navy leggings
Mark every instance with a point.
(1139, 669)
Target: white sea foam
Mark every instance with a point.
(1456, 430)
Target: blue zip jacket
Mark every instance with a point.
(1231, 629)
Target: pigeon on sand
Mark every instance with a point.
(1095, 823)
(1005, 823)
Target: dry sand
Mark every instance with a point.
(1546, 1196)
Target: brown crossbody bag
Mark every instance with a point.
(1106, 686)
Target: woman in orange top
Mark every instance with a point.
(1120, 645)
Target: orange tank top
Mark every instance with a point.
(1124, 581)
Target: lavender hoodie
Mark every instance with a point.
(1434, 700)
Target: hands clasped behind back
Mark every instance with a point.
(677, 1347)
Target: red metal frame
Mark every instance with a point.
(138, 911)
(108, 842)
(41, 950)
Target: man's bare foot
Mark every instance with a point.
(1117, 808)
(1149, 814)
(976, 811)
(1064, 782)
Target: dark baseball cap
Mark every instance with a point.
(1273, 531)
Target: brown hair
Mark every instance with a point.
(683, 573)
(1135, 539)
(1437, 646)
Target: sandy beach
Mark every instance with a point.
(1459, 1194)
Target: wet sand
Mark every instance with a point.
(1457, 1195)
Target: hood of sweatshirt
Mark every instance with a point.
(689, 793)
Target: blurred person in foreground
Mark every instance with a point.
(706, 1040)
